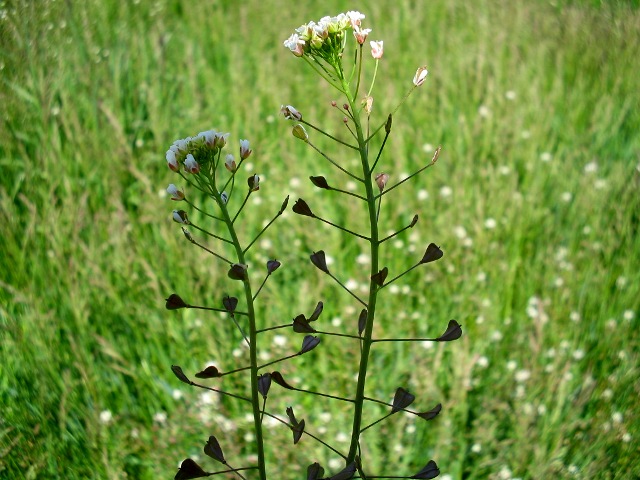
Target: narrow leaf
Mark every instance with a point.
(346, 473)
(309, 343)
(430, 470)
(212, 448)
(316, 313)
(362, 321)
(230, 303)
(301, 325)
(432, 254)
(319, 260)
(279, 379)
(209, 372)
(320, 182)
(315, 471)
(190, 469)
(264, 384)
(174, 302)
(402, 399)
(301, 208)
(453, 332)
(380, 277)
(431, 414)
(177, 371)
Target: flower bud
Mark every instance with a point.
(254, 183)
(245, 151)
(172, 161)
(180, 216)
(300, 132)
(191, 165)
(290, 113)
(220, 139)
(377, 49)
(209, 138)
(230, 163)
(368, 104)
(420, 76)
(176, 194)
(381, 180)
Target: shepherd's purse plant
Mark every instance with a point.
(337, 49)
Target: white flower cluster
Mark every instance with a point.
(313, 37)
(181, 151)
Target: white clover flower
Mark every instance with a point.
(476, 448)
(446, 191)
(160, 417)
(420, 76)
(490, 223)
(628, 315)
(280, 341)
(105, 417)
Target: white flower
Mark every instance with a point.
(105, 417)
(522, 375)
(230, 163)
(160, 417)
(490, 223)
(377, 49)
(361, 34)
(290, 113)
(180, 216)
(245, 150)
(176, 194)
(420, 76)
(355, 18)
(172, 161)
(295, 44)
(191, 165)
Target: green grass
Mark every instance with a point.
(544, 382)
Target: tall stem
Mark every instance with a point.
(253, 351)
(373, 288)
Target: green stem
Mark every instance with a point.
(253, 350)
(373, 288)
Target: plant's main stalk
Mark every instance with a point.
(373, 288)
(253, 350)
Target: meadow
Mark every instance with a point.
(535, 201)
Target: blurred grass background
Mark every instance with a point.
(534, 201)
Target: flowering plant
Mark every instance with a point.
(199, 161)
